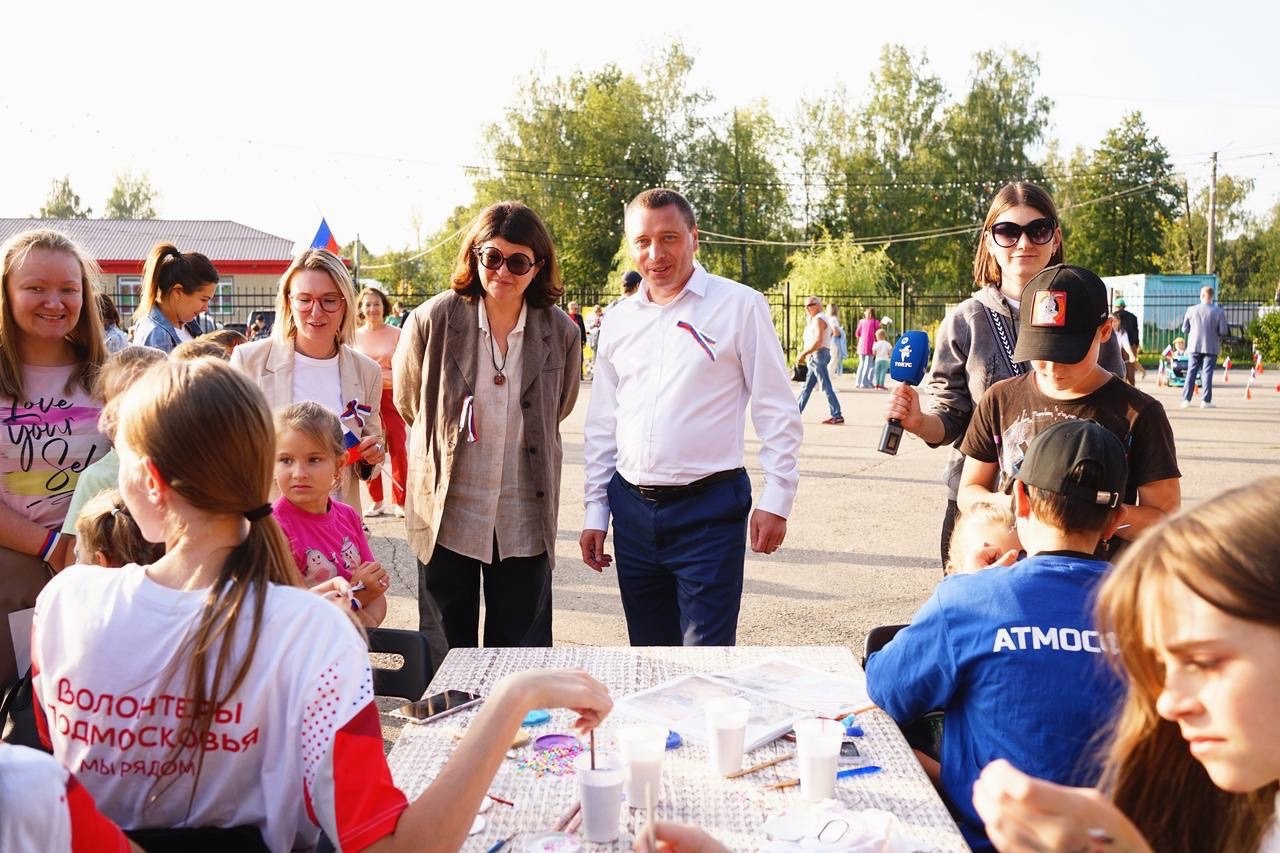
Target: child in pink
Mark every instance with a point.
(325, 535)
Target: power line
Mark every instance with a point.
(421, 254)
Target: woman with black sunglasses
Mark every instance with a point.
(484, 373)
(973, 348)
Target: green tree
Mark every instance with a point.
(733, 181)
(1186, 236)
(576, 149)
(1120, 201)
(62, 202)
(132, 197)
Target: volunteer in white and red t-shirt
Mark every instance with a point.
(43, 807)
(296, 745)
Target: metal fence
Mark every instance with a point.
(1159, 317)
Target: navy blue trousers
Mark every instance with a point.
(679, 562)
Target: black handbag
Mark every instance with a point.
(17, 707)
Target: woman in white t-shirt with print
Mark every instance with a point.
(51, 347)
(208, 689)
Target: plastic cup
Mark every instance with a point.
(600, 791)
(642, 747)
(726, 731)
(818, 753)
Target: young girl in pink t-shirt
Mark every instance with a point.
(325, 535)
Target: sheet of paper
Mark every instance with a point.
(816, 690)
(20, 630)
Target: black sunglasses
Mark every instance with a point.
(517, 263)
(1038, 231)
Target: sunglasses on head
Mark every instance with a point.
(1038, 231)
(517, 263)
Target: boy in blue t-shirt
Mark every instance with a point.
(1010, 654)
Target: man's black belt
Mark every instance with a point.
(668, 493)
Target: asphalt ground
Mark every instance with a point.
(862, 540)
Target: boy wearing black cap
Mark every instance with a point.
(1062, 323)
(1010, 653)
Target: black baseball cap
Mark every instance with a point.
(631, 279)
(1055, 452)
(1060, 312)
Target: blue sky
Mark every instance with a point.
(245, 110)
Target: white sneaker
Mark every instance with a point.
(375, 511)
(1181, 405)
(397, 511)
(1207, 405)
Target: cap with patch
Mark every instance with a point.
(1055, 452)
(1060, 311)
(1120, 303)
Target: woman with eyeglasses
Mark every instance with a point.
(309, 356)
(973, 347)
(483, 375)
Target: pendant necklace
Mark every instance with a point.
(498, 378)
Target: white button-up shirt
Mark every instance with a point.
(670, 390)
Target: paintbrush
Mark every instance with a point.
(762, 765)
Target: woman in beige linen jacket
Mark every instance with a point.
(483, 375)
(315, 325)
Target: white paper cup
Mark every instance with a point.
(817, 753)
(642, 746)
(601, 793)
(726, 730)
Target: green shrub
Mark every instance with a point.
(1265, 332)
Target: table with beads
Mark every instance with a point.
(539, 784)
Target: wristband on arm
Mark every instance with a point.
(50, 544)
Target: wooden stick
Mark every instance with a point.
(785, 783)
(777, 759)
(498, 799)
(593, 749)
(564, 819)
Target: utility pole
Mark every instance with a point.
(742, 209)
(357, 263)
(1213, 204)
(1191, 245)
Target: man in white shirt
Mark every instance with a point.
(676, 367)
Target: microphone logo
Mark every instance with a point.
(905, 349)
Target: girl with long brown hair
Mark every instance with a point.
(1194, 760)
(209, 689)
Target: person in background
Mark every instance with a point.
(984, 537)
(176, 289)
(51, 349)
(678, 365)
(1127, 351)
(393, 316)
(883, 352)
(866, 334)
(228, 339)
(816, 356)
(575, 314)
(593, 327)
(1193, 763)
(1129, 322)
(113, 337)
(309, 356)
(1204, 325)
(378, 340)
(630, 282)
(839, 340)
(484, 374)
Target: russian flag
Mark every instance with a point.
(324, 239)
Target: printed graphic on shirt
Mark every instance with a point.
(1033, 638)
(1050, 308)
(45, 444)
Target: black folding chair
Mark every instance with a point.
(924, 734)
(411, 679)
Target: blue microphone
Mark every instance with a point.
(907, 364)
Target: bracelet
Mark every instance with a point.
(50, 543)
